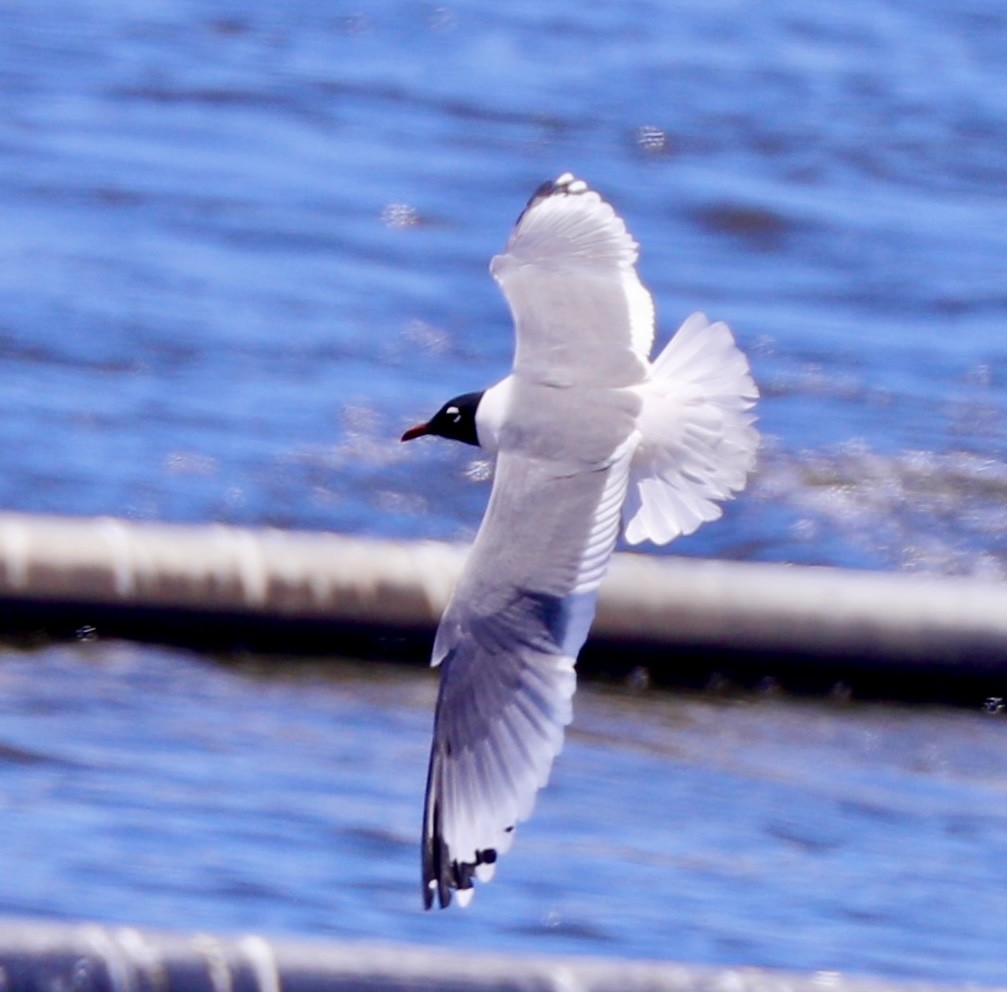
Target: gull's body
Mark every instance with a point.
(589, 437)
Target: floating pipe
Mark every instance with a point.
(663, 612)
(37, 955)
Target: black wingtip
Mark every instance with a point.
(542, 191)
(566, 183)
(441, 874)
(434, 858)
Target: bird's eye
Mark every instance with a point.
(454, 413)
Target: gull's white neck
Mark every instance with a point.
(491, 414)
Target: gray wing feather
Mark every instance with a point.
(507, 646)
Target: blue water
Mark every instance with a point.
(242, 245)
(149, 787)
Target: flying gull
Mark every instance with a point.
(589, 437)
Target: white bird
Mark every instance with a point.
(588, 434)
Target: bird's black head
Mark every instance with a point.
(455, 420)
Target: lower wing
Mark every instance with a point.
(507, 646)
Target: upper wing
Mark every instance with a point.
(580, 312)
(507, 643)
(697, 443)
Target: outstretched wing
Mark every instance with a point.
(581, 314)
(507, 646)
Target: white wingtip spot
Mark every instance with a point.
(569, 183)
(464, 896)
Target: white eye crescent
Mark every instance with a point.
(453, 412)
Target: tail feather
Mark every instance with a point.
(697, 442)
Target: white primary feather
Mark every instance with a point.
(581, 314)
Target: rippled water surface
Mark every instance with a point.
(152, 788)
(242, 245)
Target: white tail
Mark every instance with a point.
(697, 440)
